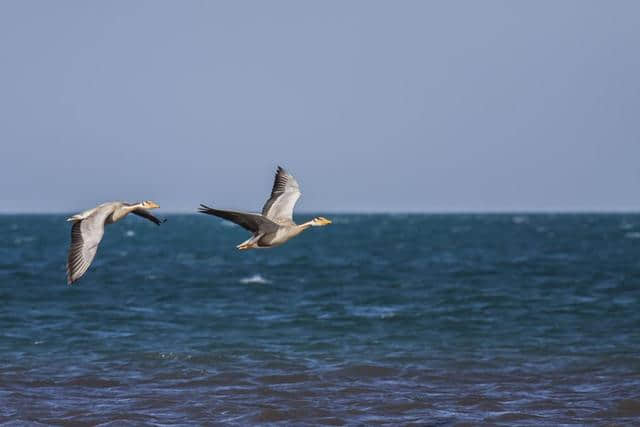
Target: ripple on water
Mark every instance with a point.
(23, 239)
(376, 312)
(624, 408)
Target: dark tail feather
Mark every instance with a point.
(250, 222)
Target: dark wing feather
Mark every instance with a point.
(147, 215)
(249, 221)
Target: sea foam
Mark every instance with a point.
(256, 278)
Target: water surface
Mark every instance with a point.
(376, 319)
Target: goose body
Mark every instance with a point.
(275, 225)
(88, 228)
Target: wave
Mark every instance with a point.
(375, 312)
(228, 224)
(23, 239)
(520, 219)
(256, 278)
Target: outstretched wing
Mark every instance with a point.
(147, 215)
(249, 221)
(85, 237)
(284, 195)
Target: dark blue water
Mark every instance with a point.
(376, 319)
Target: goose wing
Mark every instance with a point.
(249, 221)
(85, 237)
(284, 195)
(144, 213)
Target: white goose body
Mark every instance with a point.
(274, 226)
(88, 228)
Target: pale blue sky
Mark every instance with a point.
(373, 106)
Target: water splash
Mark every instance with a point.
(256, 278)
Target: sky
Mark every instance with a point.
(374, 106)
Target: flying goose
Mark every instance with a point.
(275, 225)
(88, 228)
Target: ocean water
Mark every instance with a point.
(376, 319)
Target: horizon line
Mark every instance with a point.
(400, 212)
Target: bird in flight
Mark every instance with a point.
(274, 225)
(88, 228)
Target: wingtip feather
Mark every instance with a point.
(203, 208)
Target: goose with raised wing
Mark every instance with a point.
(88, 228)
(274, 225)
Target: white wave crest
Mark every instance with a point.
(520, 219)
(375, 312)
(256, 278)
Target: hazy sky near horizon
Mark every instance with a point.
(372, 105)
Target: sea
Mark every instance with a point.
(425, 320)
